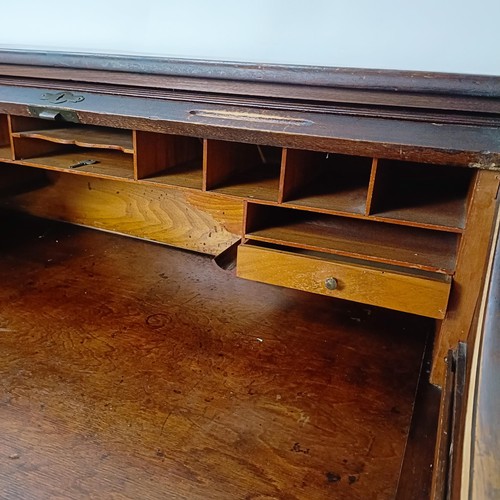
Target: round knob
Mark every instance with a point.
(331, 283)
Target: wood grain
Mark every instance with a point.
(89, 137)
(378, 286)
(327, 181)
(5, 153)
(243, 170)
(377, 242)
(398, 139)
(110, 164)
(129, 370)
(194, 221)
(471, 264)
(169, 155)
(413, 192)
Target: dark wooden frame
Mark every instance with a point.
(448, 98)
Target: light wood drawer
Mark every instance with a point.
(407, 290)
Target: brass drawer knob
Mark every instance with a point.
(331, 283)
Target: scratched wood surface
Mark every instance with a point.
(132, 370)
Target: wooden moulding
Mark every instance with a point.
(375, 285)
(189, 220)
(418, 95)
(474, 146)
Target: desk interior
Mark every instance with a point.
(133, 369)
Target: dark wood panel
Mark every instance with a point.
(135, 371)
(391, 139)
(418, 465)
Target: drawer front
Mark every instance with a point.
(369, 285)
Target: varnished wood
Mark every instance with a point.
(243, 170)
(88, 137)
(195, 221)
(132, 371)
(471, 263)
(388, 104)
(480, 452)
(415, 480)
(378, 242)
(472, 146)
(327, 181)
(413, 192)
(375, 285)
(442, 450)
(169, 159)
(4, 137)
(110, 164)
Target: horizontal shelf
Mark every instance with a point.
(375, 241)
(243, 170)
(189, 175)
(261, 183)
(348, 199)
(88, 137)
(110, 163)
(5, 153)
(327, 181)
(412, 192)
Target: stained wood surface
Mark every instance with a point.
(379, 286)
(129, 370)
(5, 152)
(188, 175)
(378, 242)
(4, 134)
(415, 481)
(110, 164)
(89, 137)
(164, 154)
(409, 140)
(195, 221)
(326, 181)
(471, 263)
(243, 170)
(413, 192)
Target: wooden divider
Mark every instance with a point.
(5, 151)
(168, 159)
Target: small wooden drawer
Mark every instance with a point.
(407, 290)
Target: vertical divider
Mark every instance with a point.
(244, 221)
(4, 131)
(150, 154)
(281, 187)
(205, 167)
(295, 174)
(5, 137)
(220, 159)
(134, 147)
(371, 187)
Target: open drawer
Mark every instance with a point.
(409, 290)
